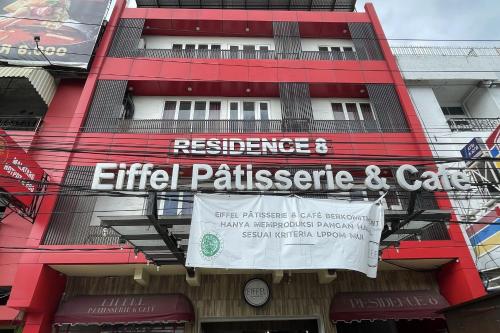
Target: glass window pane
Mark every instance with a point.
(348, 49)
(264, 111)
(199, 110)
(248, 111)
(169, 110)
(184, 110)
(233, 110)
(200, 105)
(366, 111)
(234, 48)
(456, 111)
(352, 111)
(338, 111)
(215, 47)
(177, 47)
(214, 110)
(336, 49)
(249, 47)
(187, 204)
(171, 203)
(190, 46)
(264, 48)
(203, 47)
(323, 49)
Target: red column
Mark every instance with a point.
(37, 290)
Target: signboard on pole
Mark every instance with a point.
(67, 31)
(284, 233)
(21, 177)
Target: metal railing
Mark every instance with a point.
(473, 124)
(243, 54)
(160, 126)
(445, 51)
(18, 123)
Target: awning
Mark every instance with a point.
(39, 78)
(392, 305)
(133, 309)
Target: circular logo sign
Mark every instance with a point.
(256, 292)
(210, 245)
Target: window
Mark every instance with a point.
(234, 110)
(337, 52)
(169, 110)
(191, 110)
(251, 110)
(177, 203)
(353, 111)
(454, 111)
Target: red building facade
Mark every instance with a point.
(242, 85)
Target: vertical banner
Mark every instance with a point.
(284, 233)
(67, 31)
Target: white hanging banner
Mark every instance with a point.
(284, 233)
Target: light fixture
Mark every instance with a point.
(197, 28)
(362, 91)
(130, 88)
(247, 29)
(344, 31)
(189, 89)
(248, 90)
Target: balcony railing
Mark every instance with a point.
(160, 126)
(243, 54)
(16, 123)
(445, 51)
(473, 124)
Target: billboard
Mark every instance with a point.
(67, 31)
(21, 178)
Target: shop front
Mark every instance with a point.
(237, 303)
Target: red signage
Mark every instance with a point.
(20, 175)
(389, 305)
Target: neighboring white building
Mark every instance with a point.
(456, 94)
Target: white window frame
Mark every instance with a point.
(339, 46)
(257, 110)
(191, 109)
(180, 203)
(358, 109)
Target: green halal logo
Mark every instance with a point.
(210, 245)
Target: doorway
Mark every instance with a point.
(262, 326)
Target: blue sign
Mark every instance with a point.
(472, 150)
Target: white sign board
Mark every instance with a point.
(284, 233)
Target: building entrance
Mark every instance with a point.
(262, 326)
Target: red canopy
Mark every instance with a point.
(387, 305)
(133, 309)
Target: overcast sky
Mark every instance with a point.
(438, 19)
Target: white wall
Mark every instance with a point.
(165, 42)
(483, 103)
(118, 206)
(311, 44)
(322, 110)
(151, 107)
